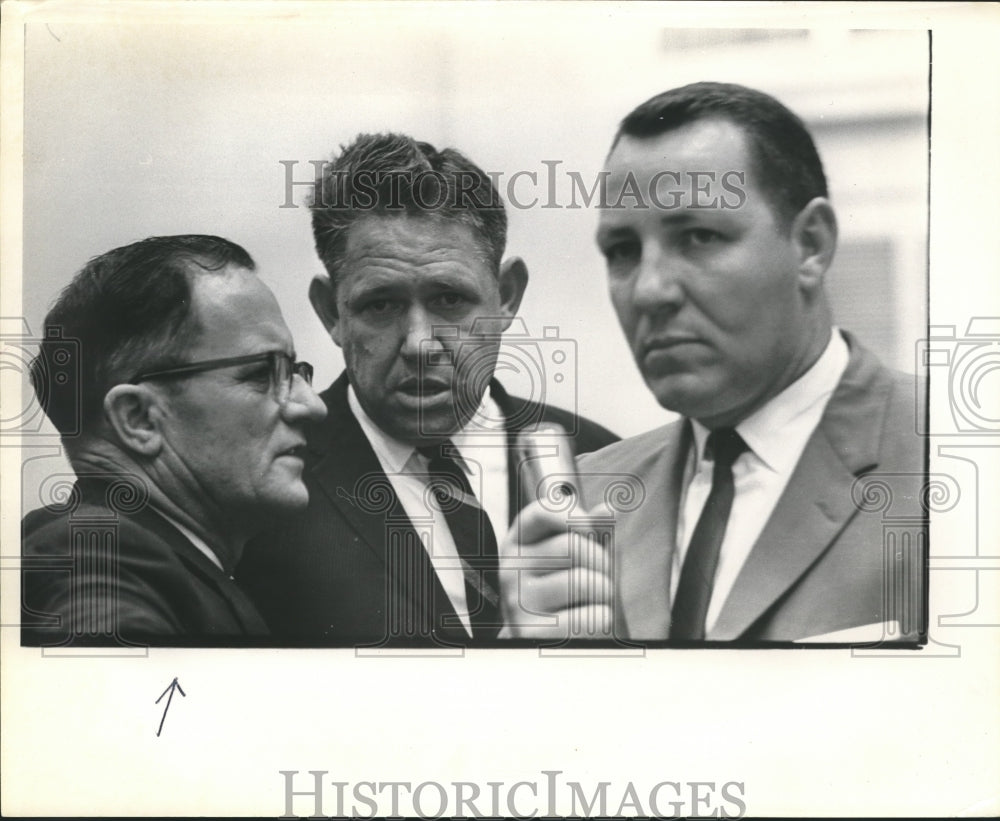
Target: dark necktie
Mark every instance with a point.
(473, 534)
(694, 590)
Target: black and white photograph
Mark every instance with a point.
(493, 409)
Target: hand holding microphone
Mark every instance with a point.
(554, 563)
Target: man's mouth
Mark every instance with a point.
(423, 387)
(666, 343)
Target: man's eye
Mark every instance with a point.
(621, 253)
(450, 300)
(258, 377)
(700, 237)
(379, 307)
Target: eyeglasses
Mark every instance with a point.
(283, 370)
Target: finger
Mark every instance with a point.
(595, 621)
(558, 591)
(545, 556)
(587, 551)
(556, 553)
(535, 523)
(589, 587)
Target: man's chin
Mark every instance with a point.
(286, 490)
(683, 394)
(285, 501)
(713, 408)
(423, 421)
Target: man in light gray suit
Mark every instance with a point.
(750, 523)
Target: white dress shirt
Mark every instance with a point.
(776, 435)
(482, 446)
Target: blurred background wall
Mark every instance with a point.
(139, 129)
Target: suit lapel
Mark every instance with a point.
(348, 472)
(814, 508)
(199, 564)
(643, 565)
(245, 613)
(817, 503)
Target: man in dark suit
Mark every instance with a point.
(411, 477)
(183, 425)
(758, 516)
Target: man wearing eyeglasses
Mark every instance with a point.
(185, 436)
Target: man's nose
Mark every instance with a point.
(659, 280)
(303, 403)
(423, 336)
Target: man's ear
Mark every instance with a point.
(814, 235)
(323, 297)
(513, 280)
(134, 414)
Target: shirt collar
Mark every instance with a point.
(776, 433)
(396, 455)
(195, 539)
(390, 451)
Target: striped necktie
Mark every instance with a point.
(473, 534)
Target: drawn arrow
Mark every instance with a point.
(170, 689)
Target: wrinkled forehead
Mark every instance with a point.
(400, 240)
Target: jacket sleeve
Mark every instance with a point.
(97, 598)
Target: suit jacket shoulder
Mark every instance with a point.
(634, 453)
(93, 574)
(890, 403)
(521, 413)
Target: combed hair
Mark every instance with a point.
(127, 310)
(788, 166)
(389, 174)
